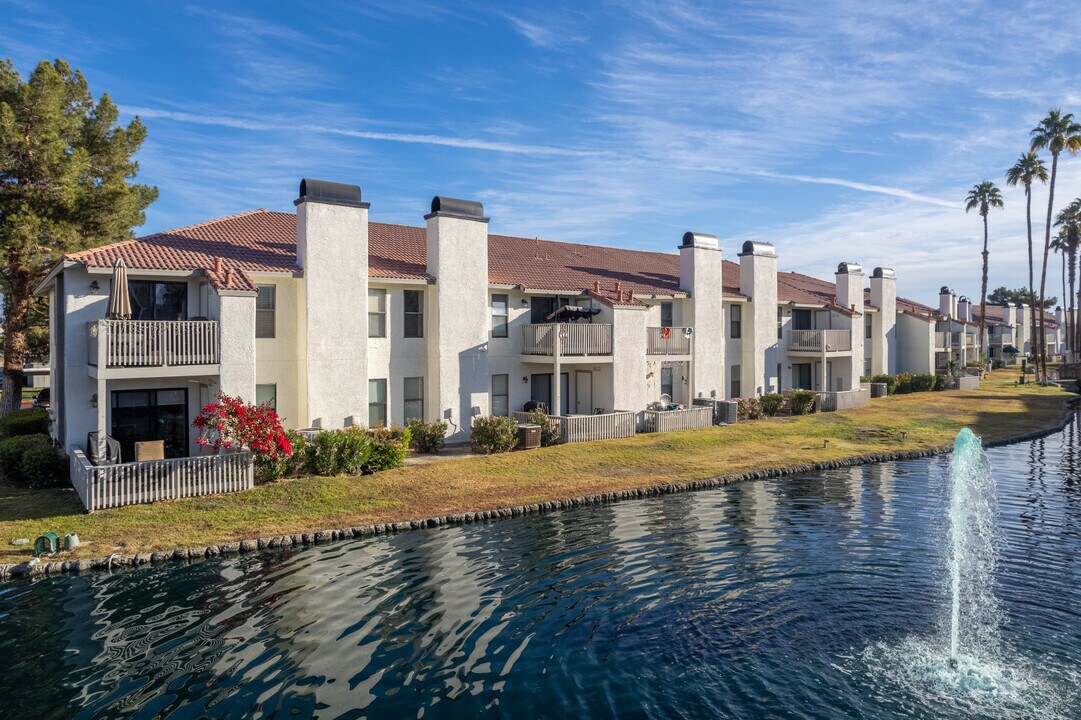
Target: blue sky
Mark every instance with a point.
(836, 130)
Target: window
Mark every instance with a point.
(867, 326)
(735, 316)
(267, 394)
(499, 316)
(736, 371)
(377, 313)
(666, 382)
(413, 306)
(780, 323)
(501, 395)
(152, 300)
(377, 402)
(265, 305)
(867, 367)
(666, 314)
(414, 398)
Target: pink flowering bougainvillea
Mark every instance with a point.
(231, 422)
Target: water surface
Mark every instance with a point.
(821, 596)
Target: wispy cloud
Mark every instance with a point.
(865, 187)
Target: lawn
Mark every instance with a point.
(999, 409)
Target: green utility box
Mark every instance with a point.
(47, 544)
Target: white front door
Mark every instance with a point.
(583, 393)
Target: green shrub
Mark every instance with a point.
(31, 421)
(427, 437)
(41, 469)
(748, 408)
(268, 469)
(387, 448)
(904, 383)
(772, 403)
(42, 466)
(801, 402)
(923, 383)
(323, 453)
(549, 430)
(942, 382)
(493, 435)
(353, 451)
(889, 380)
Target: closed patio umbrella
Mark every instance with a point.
(119, 300)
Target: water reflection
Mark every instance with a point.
(742, 601)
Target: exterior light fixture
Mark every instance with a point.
(95, 288)
(525, 379)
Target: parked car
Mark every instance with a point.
(42, 400)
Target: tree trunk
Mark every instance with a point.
(983, 291)
(1073, 326)
(1031, 281)
(1068, 321)
(1046, 251)
(18, 315)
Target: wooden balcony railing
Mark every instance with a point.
(153, 343)
(106, 486)
(820, 340)
(678, 341)
(581, 339)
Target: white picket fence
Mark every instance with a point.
(585, 428)
(106, 486)
(154, 343)
(690, 418)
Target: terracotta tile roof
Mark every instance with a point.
(806, 290)
(265, 241)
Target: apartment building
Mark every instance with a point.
(337, 320)
(1008, 334)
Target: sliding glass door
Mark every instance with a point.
(141, 415)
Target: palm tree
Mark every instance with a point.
(1056, 132)
(1028, 169)
(1070, 222)
(1058, 245)
(983, 196)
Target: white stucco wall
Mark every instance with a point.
(460, 380)
(700, 270)
(332, 250)
(629, 359)
(884, 334)
(760, 350)
(850, 296)
(915, 345)
(236, 313)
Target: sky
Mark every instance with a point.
(838, 131)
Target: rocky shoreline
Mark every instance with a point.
(322, 537)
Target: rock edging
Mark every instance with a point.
(322, 537)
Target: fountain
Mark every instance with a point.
(972, 549)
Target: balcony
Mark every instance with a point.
(942, 341)
(678, 341)
(581, 342)
(1003, 338)
(820, 342)
(152, 348)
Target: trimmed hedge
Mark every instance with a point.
(493, 435)
(801, 402)
(31, 421)
(772, 403)
(427, 437)
(749, 408)
(32, 461)
(387, 448)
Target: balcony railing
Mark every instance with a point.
(942, 340)
(678, 341)
(820, 340)
(1005, 338)
(582, 339)
(153, 343)
(106, 486)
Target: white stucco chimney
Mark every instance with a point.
(332, 252)
(459, 376)
(947, 302)
(849, 291)
(758, 281)
(884, 331)
(964, 309)
(1009, 316)
(700, 274)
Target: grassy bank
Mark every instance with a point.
(999, 409)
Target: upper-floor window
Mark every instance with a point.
(413, 310)
(377, 313)
(666, 314)
(499, 316)
(735, 318)
(867, 327)
(153, 300)
(265, 304)
(780, 322)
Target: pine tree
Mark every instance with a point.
(65, 185)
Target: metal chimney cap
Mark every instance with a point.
(849, 268)
(700, 240)
(330, 193)
(884, 272)
(453, 207)
(765, 249)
